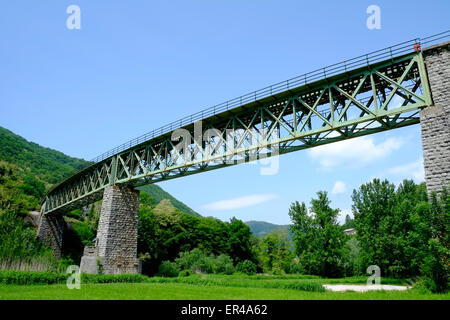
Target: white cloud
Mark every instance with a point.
(339, 188)
(413, 170)
(356, 152)
(240, 202)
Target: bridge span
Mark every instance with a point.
(405, 84)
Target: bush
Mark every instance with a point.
(184, 273)
(195, 261)
(421, 287)
(38, 277)
(31, 277)
(434, 270)
(223, 264)
(295, 268)
(168, 269)
(112, 278)
(74, 214)
(303, 285)
(246, 267)
(85, 233)
(244, 282)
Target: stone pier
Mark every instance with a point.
(115, 251)
(50, 232)
(435, 119)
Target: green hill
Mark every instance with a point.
(261, 228)
(28, 170)
(158, 194)
(47, 165)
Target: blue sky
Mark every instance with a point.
(135, 66)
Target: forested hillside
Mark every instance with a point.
(261, 228)
(49, 166)
(158, 194)
(28, 170)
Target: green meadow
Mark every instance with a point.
(211, 287)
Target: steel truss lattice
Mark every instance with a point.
(374, 98)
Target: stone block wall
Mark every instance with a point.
(90, 260)
(50, 232)
(117, 231)
(435, 119)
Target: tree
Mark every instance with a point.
(166, 213)
(393, 226)
(240, 241)
(436, 266)
(349, 222)
(274, 252)
(318, 238)
(164, 232)
(372, 207)
(211, 235)
(148, 239)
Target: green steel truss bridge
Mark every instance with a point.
(379, 91)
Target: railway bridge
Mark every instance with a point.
(402, 85)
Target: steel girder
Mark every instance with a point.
(371, 99)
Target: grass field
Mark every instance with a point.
(179, 291)
(213, 287)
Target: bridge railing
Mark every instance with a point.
(313, 76)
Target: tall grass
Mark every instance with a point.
(45, 277)
(40, 263)
(244, 282)
(19, 248)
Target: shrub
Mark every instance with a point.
(195, 261)
(295, 268)
(246, 267)
(74, 214)
(112, 278)
(244, 282)
(223, 264)
(31, 277)
(303, 285)
(38, 277)
(168, 269)
(421, 287)
(184, 273)
(84, 232)
(64, 262)
(434, 270)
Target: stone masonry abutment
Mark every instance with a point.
(115, 251)
(435, 119)
(50, 232)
